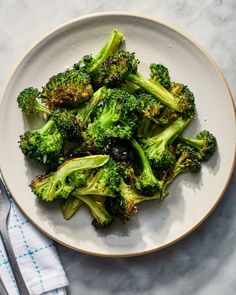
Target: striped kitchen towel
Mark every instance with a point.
(36, 256)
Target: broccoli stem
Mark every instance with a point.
(47, 127)
(84, 113)
(170, 133)
(70, 206)
(98, 210)
(155, 89)
(144, 161)
(39, 107)
(110, 46)
(131, 197)
(196, 143)
(89, 162)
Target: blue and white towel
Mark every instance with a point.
(36, 256)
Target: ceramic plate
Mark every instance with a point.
(191, 198)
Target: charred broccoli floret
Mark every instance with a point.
(125, 205)
(27, 101)
(92, 65)
(102, 218)
(187, 161)
(116, 119)
(73, 122)
(69, 88)
(122, 65)
(160, 74)
(150, 107)
(43, 145)
(157, 148)
(146, 183)
(205, 143)
(70, 175)
(104, 182)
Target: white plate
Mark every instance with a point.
(191, 198)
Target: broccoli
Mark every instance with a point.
(146, 183)
(205, 143)
(157, 148)
(104, 182)
(187, 161)
(70, 206)
(116, 119)
(70, 175)
(73, 87)
(160, 75)
(92, 65)
(27, 101)
(43, 145)
(125, 204)
(69, 88)
(150, 107)
(102, 218)
(72, 122)
(122, 66)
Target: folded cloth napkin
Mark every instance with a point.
(36, 256)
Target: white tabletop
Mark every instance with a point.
(204, 262)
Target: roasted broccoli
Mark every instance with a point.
(122, 66)
(157, 148)
(102, 218)
(104, 182)
(43, 145)
(27, 101)
(187, 161)
(69, 88)
(146, 183)
(125, 204)
(205, 143)
(72, 122)
(70, 206)
(160, 75)
(70, 175)
(116, 119)
(92, 65)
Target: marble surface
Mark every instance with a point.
(204, 262)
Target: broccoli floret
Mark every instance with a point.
(116, 119)
(160, 74)
(70, 206)
(69, 88)
(92, 65)
(150, 107)
(43, 145)
(187, 161)
(122, 66)
(70, 175)
(66, 122)
(27, 101)
(125, 205)
(157, 148)
(146, 183)
(205, 143)
(104, 182)
(72, 122)
(102, 218)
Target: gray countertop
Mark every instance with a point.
(204, 262)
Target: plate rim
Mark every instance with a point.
(186, 35)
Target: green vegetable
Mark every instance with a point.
(157, 148)
(146, 183)
(102, 218)
(70, 206)
(70, 175)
